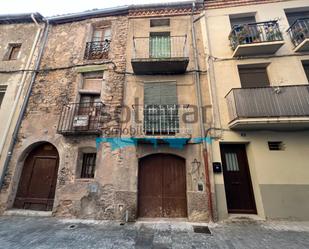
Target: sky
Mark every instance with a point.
(56, 7)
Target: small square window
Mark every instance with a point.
(88, 166)
(275, 145)
(160, 22)
(13, 51)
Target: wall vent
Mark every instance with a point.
(275, 145)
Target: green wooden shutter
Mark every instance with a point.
(160, 46)
(160, 110)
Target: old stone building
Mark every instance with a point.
(167, 82)
(52, 166)
(195, 110)
(99, 71)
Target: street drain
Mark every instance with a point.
(72, 226)
(201, 229)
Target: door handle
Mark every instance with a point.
(235, 183)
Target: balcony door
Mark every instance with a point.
(88, 112)
(160, 108)
(255, 76)
(160, 45)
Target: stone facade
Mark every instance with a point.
(113, 192)
(57, 84)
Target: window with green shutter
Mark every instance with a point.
(160, 45)
(160, 108)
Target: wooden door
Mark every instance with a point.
(237, 180)
(162, 186)
(37, 184)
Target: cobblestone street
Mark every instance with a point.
(44, 233)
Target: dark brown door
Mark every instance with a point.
(237, 180)
(37, 184)
(162, 186)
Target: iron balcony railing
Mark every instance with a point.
(97, 50)
(160, 47)
(255, 33)
(299, 31)
(267, 102)
(163, 120)
(82, 118)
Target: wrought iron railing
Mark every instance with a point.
(97, 50)
(267, 102)
(82, 118)
(163, 120)
(299, 31)
(255, 33)
(160, 47)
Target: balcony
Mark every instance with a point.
(160, 55)
(284, 107)
(82, 118)
(162, 121)
(256, 38)
(97, 50)
(299, 33)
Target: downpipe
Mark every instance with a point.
(200, 114)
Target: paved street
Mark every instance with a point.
(44, 233)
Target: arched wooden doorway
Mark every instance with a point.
(162, 186)
(36, 189)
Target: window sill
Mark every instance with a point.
(85, 179)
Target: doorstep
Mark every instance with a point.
(245, 217)
(25, 212)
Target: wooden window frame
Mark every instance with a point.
(11, 54)
(103, 30)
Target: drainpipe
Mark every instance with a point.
(26, 100)
(200, 114)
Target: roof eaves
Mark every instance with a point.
(20, 18)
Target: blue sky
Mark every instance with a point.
(55, 7)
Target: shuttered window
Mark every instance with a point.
(253, 77)
(161, 109)
(2, 93)
(93, 81)
(161, 93)
(160, 45)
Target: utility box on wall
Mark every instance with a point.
(217, 167)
